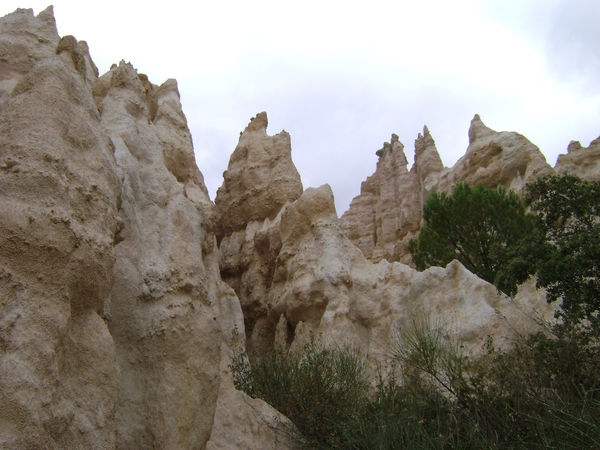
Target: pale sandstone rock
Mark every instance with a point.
(160, 378)
(297, 275)
(25, 40)
(387, 213)
(58, 187)
(494, 158)
(247, 423)
(167, 338)
(581, 161)
(63, 382)
(323, 286)
(259, 180)
(325, 283)
(428, 165)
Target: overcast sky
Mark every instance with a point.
(342, 76)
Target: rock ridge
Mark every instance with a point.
(125, 292)
(493, 158)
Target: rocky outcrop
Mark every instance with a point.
(493, 158)
(324, 287)
(297, 275)
(259, 180)
(59, 381)
(581, 161)
(165, 284)
(387, 211)
(115, 325)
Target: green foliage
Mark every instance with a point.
(428, 349)
(541, 394)
(566, 258)
(319, 389)
(479, 226)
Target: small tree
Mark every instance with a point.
(567, 257)
(479, 226)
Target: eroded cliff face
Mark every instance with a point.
(162, 283)
(299, 277)
(115, 325)
(260, 180)
(59, 381)
(125, 292)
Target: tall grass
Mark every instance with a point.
(541, 394)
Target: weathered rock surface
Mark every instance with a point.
(298, 275)
(387, 213)
(167, 341)
(105, 219)
(495, 158)
(321, 285)
(59, 380)
(259, 180)
(581, 161)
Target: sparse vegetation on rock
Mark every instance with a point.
(543, 393)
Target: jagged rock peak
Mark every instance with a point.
(428, 163)
(574, 146)
(394, 147)
(478, 129)
(259, 179)
(581, 161)
(258, 123)
(504, 158)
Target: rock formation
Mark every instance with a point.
(59, 189)
(115, 322)
(388, 210)
(581, 161)
(259, 180)
(319, 284)
(493, 158)
(125, 292)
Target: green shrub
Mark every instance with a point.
(541, 394)
(321, 390)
